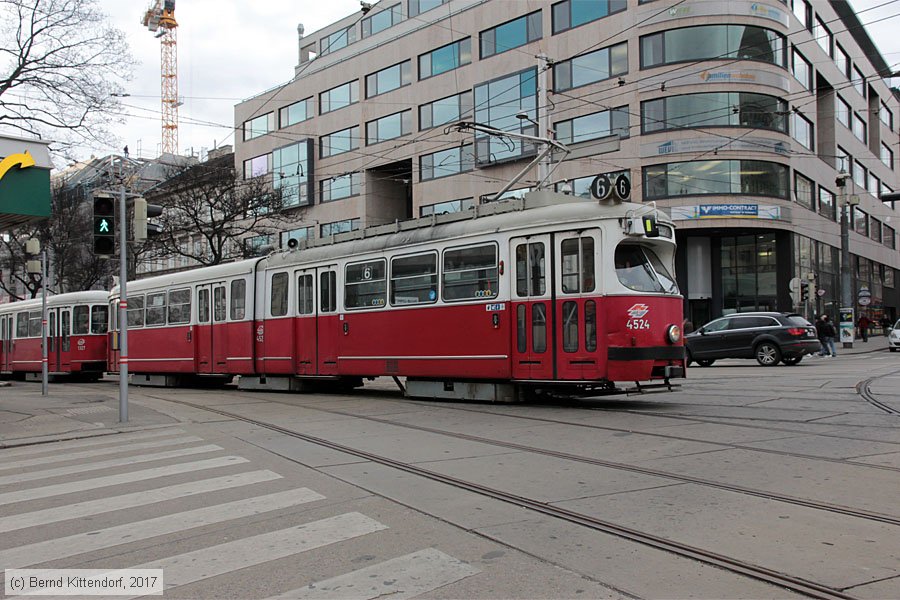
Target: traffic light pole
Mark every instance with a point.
(45, 375)
(123, 308)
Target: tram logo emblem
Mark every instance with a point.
(638, 311)
(81, 343)
(259, 334)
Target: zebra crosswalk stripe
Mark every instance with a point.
(143, 498)
(55, 549)
(100, 440)
(96, 466)
(402, 577)
(217, 560)
(98, 482)
(129, 447)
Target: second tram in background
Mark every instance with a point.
(552, 293)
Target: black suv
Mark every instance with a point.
(769, 337)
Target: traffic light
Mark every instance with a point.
(104, 226)
(804, 292)
(143, 211)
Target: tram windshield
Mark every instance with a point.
(640, 269)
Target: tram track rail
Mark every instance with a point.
(786, 581)
(864, 389)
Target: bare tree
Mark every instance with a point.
(208, 202)
(60, 66)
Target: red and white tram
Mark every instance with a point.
(552, 292)
(76, 338)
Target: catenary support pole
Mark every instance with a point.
(123, 307)
(846, 291)
(45, 375)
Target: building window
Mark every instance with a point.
(591, 67)
(859, 174)
(339, 142)
(450, 206)
(749, 280)
(336, 227)
(714, 109)
(823, 36)
(593, 126)
(417, 7)
(258, 126)
(445, 110)
(340, 187)
(381, 21)
(295, 113)
(827, 205)
(572, 13)
(875, 229)
(801, 69)
(802, 130)
(292, 173)
(843, 160)
(301, 235)
(888, 239)
(446, 162)
(860, 221)
(742, 42)
(842, 111)
(388, 79)
(718, 177)
(859, 82)
(337, 40)
(496, 104)
(887, 156)
(389, 127)
(446, 58)
(859, 128)
(842, 60)
(511, 34)
(886, 116)
(803, 12)
(257, 166)
(339, 97)
(804, 189)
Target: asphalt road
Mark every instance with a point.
(789, 470)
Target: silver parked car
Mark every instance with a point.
(894, 337)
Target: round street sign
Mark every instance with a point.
(864, 292)
(865, 300)
(794, 284)
(601, 187)
(820, 292)
(623, 187)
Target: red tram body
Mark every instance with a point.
(551, 292)
(76, 338)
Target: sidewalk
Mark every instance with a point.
(876, 343)
(70, 411)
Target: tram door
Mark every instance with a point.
(5, 341)
(531, 305)
(219, 335)
(328, 327)
(64, 342)
(576, 296)
(306, 323)
(203, 330)
(53, 350)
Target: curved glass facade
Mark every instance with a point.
(718, 177)
(714, 109)
(707, 42)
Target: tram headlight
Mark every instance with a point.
(673, 334)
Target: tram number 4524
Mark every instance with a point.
(638, 324)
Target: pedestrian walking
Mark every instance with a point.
(885, 325)
(827, 333)
(863, 324)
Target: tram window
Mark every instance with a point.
(570, 326)
(577, 265)
(238, 299)
(471, 273)
(203, 305)
(521, 329)
(136, 311)
(590, 326)
(305, 295)
(278, 303)
(156, 309)
(530, 273)
(22, 325)
(99, 318)
(641, 270)
(414, 279)
(539, 327)
(328, 292)
(179, 307)
(81, 320)
(365, 285)
(219, 303)
(64, 324)
(113, 315)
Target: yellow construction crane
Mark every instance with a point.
(160, 19)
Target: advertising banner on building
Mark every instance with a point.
(725, 211)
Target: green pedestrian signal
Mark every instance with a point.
(104, 226)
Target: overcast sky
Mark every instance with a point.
(230, 50)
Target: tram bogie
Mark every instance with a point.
(550, 292)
